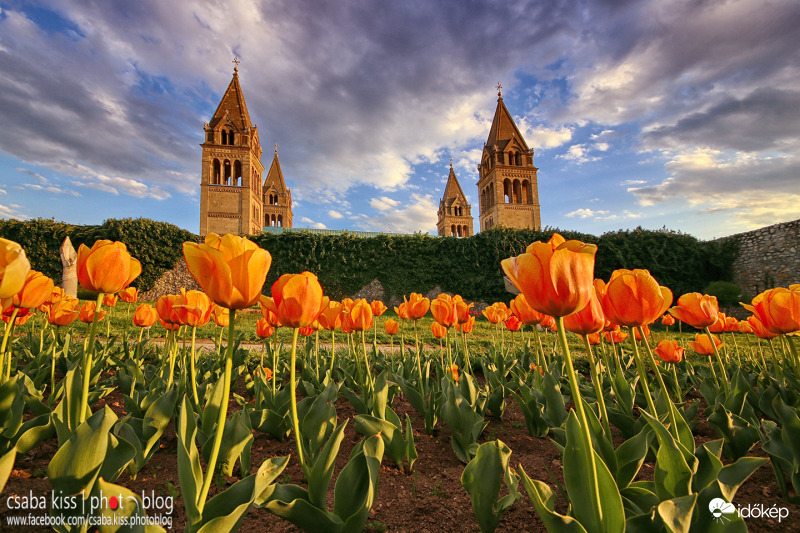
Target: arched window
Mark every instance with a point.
(230, 138)
(237, 173)
(526, 199)
(226, 178)
(507, 194)
(518, 159)
(280, 221)
(517, 192)
(453, 230)
(216, 172)
(491, 194)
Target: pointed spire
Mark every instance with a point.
(453, 189)
(275, 175)
(232, 105)
(503, 129)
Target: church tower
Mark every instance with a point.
(230, 186)
(455, 219)
(507, 184)
(277, 198)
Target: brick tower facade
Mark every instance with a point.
(507, 184)
(455, 217)
(230, 186)
(277, 198)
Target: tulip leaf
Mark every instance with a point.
(481, 479)
(130, 505)
(677, 513)
(544, 501)
(391, 435)
(630, 456)
(6, 465)
(322, 470)
(599, 497)
(357, 486)
(411, 450)
(673, 475)
(190, 473)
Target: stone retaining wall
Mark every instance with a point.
(768, 257)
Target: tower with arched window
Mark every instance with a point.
(277, 197)
(231, 177)
(508, 190)
(455, 217)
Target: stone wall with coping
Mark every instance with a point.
(768, 257)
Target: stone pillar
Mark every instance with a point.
(69, 262)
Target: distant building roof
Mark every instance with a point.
(276, 230)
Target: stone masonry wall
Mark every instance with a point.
(768, 257)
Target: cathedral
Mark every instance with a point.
(236, 198)
(508, 190)
(233, 197)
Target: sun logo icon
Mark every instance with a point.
(719, 508)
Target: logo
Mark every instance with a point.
(719, 508)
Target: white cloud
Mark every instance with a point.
(585, 213)
(627, 183)
(417, 215)
(12, 211)
(384, 203)
(311, 224)
(601, 214)
(335, 214)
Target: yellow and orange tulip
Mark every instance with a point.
(106, 267)
(695, 309)
(634, 298)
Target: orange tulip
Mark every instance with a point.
(702, 344)
(634, 298)
(222, 316)
(169, 326)
(144, 316)
(264, 329)
(378, 307)
(778, 309)
(265, 372)
(165, 309)
(548, 322)
(129, 295)
(668, 320)
(719, 325)
(307, 331)
(87, 311)
(467, 326)
(534, 368)
(23, 315)
(331, 317)
(494, 314)
(556, 276)
(192, 308)
(360, 316)
(265, 305)
(453, 370)
(416, 306)
(62, 312)
(56, 296)
(14, 268)
(36, 290)
(462, 309)
(391, 326)
(758, 328)
(110, 300)
(526, 314)
(106, 266)
(512, 323)
(731, 324)
(617, 336)
(593, 338)
(297, 299)
(438, 330)
(590, 319)
(669, 351)
(695, 309)
(745, 327)
(402, 311)
(231, 270)
(444, 310)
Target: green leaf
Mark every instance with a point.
(357, 486)
(481, 479)
(677, 513)
(544, 501)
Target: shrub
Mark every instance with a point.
(728, 294)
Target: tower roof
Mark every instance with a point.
(503, 128)
(452, 190)
(232, 105)
(275, 175)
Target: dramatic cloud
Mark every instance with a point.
(418, 215)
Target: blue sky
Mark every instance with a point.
(683, 114)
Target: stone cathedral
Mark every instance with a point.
(507, 186)
(234, 196)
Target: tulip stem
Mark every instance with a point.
(53, 368)
(193, 376)
(660, 378)
(587, 448)
(87, 360)
(642, 375)
(541, 348)
(370, 383)
(792, 349)
(292, 392)
(8, 334)
(221, 416)
(598, 387)
(719, 362)
(333, 350)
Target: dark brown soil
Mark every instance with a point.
(429, 500)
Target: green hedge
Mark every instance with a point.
(402, 263)
(156, 244)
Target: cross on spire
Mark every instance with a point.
(236, 62)
(276, 148)
(499, 88)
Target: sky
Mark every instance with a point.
(653, 113)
